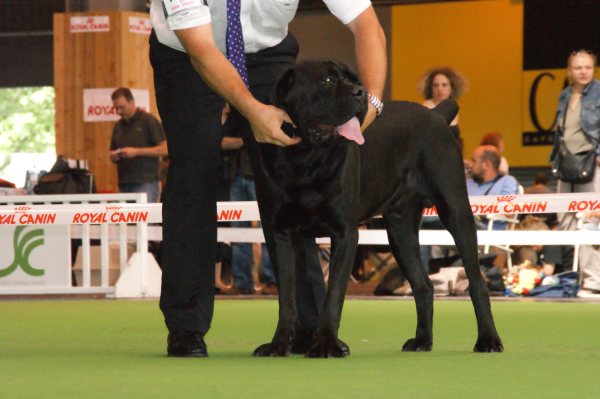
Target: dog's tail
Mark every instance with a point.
(447, 109)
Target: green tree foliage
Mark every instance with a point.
(26, 121)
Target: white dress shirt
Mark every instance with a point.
(264, 22)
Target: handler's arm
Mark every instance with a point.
(222, 77)
(371, 57)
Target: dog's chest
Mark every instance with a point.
(311, 190)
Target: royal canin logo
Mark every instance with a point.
(229, 214)
(505, 198)
(583, 206)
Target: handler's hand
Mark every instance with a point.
(266, 121)
(369, 118)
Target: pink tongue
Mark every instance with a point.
(351, 130)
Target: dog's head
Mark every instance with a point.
(325, 100)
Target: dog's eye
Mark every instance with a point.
(327, 82)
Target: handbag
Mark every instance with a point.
(64, 179)
(572, 168)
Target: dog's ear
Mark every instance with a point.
(284, 85)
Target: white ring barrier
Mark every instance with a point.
(248, 210)
(138, 275)
(92, 220)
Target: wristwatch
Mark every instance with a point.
(377, 103)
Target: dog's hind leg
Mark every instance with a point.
(403, 234)
(326, 342)
(285, 254)
(458, 220)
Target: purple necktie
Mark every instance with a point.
(235, 40)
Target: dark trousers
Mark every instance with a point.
(191, 116)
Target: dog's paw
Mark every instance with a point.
(272, 349)
(489, 344)
(328, 348)
(417, 345)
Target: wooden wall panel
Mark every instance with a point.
(96, 60)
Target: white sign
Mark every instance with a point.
(35, 256)
(98, 106)
(98, 23)
(140, 25)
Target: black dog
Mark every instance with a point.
(327, 184)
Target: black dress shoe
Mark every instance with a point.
(186, 344)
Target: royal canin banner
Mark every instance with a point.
(98, 106)
(140, 25)
(248, 210)
(97, 23)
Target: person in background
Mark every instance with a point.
(552, 259)
(223, 187)
(232, 51)
(240, 178)
(496, 139)
(440, 84)
(578, 122)
(540, 185)
(138, 141)
(486, 178)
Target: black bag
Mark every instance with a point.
(574, 168)
(63, 179)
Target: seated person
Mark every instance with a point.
(540, 185)
(486, 178)
(552, 259)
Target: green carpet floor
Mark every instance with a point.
(116, 349)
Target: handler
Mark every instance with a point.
(204, 52)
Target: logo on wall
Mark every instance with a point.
(98, 23)
(140, 25)
(24, 242)
(98, 106)
(543, 93)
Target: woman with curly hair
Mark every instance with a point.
(440, 84)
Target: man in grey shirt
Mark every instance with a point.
(137, 143)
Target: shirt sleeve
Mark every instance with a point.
(188, 16)
(347, 10)
(510, 186)
(155, 130)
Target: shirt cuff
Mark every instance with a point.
(345, 12)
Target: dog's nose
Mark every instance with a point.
(358, 91)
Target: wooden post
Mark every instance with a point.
(115, 56)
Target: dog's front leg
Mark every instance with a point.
(284, 257)
(327, 344)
